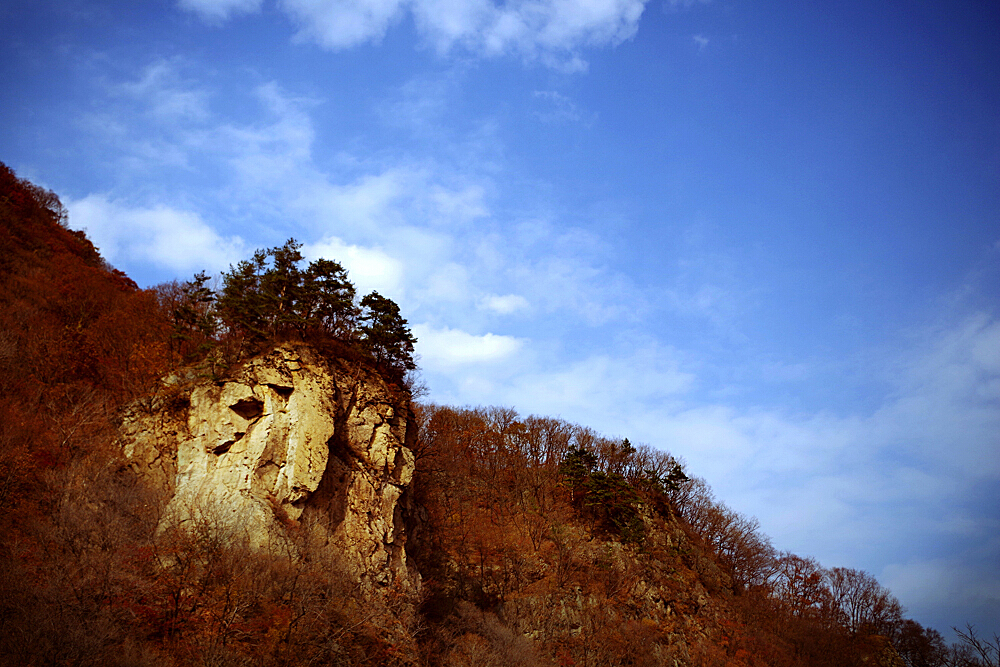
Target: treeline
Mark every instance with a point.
(272, 296)
(523, 509)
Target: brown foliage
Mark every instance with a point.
(77, 339)
(521, 563)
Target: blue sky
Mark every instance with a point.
(763, 236)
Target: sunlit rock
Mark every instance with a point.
(289, 451)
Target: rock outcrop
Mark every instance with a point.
(289, 443)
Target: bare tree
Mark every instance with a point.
(864, 605)
(984, 652)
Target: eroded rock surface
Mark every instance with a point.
(289, 442)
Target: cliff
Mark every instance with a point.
(291, 452)
(290, 447)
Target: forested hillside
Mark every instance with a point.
(605, 553)
(538, 542)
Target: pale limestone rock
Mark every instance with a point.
(289, 438)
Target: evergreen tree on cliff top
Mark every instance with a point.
(385, 334)
(269, 296)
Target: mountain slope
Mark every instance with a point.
(134, 427)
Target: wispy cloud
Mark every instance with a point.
(556, 107)
(341, 25)
(899, 480)
(388, 196)
(165, 94)
(218, 10)
(946, 408)
(423, 231)
(176, 240)
(676, 5)
(950, 586)
(548, 31)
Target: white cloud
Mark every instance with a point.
(423, 232)
(899, 481)
(604, 390)
(945, 411)
(444, 348)
(550, 30)
(369, 268)
(162, 117)
(166, 95)
(503, 305)
(363, 206)
(450, 283)
(464, 204)
(217, 10)
(561, 282)
(269, 154)
(932, 437)
(382, 202)
(343, 24)
(169, 238)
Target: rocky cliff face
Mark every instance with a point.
(290, 450)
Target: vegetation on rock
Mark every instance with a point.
(271, 296)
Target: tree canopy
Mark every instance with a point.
(385, 334)
(271, 295)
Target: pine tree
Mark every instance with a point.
(327, 299)
(385, 333)
(194, 318)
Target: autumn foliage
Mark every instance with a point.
(610, 554)
(539, 542)
(77, 338)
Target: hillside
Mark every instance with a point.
(242, 478)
